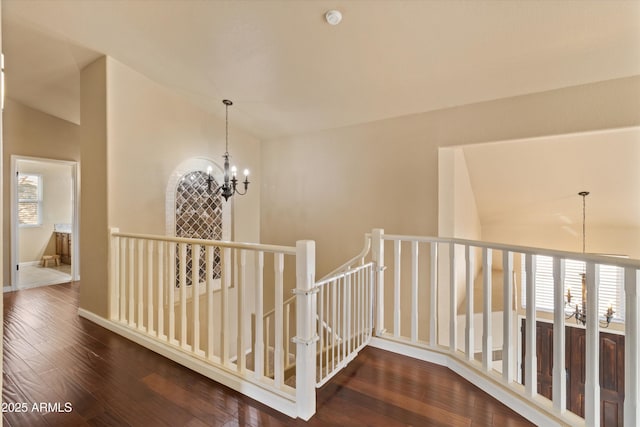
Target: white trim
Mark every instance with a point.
(509, 395)
(279, 402)
(28, 263)
(603, 132)
(75, 220)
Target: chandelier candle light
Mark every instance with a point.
(580, 313)
(230, 185)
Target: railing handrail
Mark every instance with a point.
(343, 274)
(287, 250)
(595, 258)
(362, 254)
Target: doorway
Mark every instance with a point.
(44, 222)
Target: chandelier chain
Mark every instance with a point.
(584, 195)
(584, 229)
(226, 128)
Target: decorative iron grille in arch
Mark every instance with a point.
(198, 215)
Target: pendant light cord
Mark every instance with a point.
(226, 128)
(584, 195)
(584, 228)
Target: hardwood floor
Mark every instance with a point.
(88, 376)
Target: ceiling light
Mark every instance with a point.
(580, 312)
(333, 17)
(229, 186)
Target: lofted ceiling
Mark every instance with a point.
(537, 181)
(289, 72)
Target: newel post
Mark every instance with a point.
(306, 329)
(113, 273)
(377, 254)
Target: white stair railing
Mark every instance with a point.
(205, 322)
(428, 299)
(345, 302)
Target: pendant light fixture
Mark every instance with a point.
(580, 312)
(229, 186)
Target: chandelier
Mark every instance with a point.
(580, 311)
(229, 186)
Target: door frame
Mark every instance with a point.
(75, 215)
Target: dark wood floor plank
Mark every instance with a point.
(52, 355)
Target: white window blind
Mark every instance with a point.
(29, 199)
(610, 291)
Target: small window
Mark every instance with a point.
(29, 200)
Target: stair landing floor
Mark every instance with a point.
(87, 376)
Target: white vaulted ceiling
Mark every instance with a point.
(537, 181)
(289, 72)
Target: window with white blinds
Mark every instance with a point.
(29, 199)
(611, 291)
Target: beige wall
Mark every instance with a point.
(137, 133)
(333, 186)
(31, 133)
(57, 208)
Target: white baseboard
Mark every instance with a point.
(28, 263)
(281, 402)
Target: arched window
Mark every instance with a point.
(195, 212)
(199, 216)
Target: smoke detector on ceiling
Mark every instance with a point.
(333, 17)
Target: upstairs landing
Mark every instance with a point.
(52, 355)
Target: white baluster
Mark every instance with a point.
(334, 323)
(171, 289)
(507, 319)
(287, 334)
(267, 340)
(414, 291)
(114, 283)
(453, 300)
(241, 290)
(347, 337)
(195, 296)
(131, 283)
(183, 294)
(433, 295)
(277, 350)
(559, 350)
(150, 302)
(161, 286)
(123, 279)
(161, 277)
(397, 252)
(224, 312)
(259, 338)
(322, 331)
(470, 273)
(531, 373)
(487, 338)
(210, 259)
(140, 284)
(592, 349)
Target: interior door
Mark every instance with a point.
(611, 370)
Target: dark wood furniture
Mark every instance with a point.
(63, 246)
